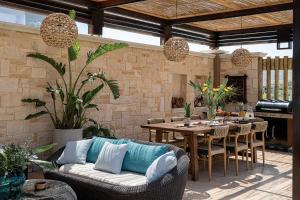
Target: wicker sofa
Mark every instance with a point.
(169, 187)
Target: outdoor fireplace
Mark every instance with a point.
(279, 115)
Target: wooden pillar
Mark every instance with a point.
(97, 22)
(296, 100)
(217, 70)
(167, 33)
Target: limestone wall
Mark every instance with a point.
(144, 75)
(227, 68)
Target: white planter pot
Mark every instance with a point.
(62, 136)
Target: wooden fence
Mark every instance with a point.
(276, 64)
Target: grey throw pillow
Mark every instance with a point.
(111, 158)
(75, 152)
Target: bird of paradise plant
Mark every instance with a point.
(213, 97)
(69, 95)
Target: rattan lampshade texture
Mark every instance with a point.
(176, 49)
(241, 57)
(59, 30)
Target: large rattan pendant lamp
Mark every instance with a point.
(241, 57)
(176, 48)
(59, 30)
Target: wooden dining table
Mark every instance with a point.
(191, 133)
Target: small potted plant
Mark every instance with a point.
(187, 114)
(13, 161)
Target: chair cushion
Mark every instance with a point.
(161, 166)
(75, 152)
(140, 156)
(88, 171)
(257, 143)
(111, 157)
(241, 146)
(215, 149)
(97, 145)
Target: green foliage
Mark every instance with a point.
(213, 97)
(97, 130)
(187, 109)
(15, 158)
(35, 115)
(72, 14)
(37, 102)
(69, 103)
(102, 49)
(59, 67)
(73, 51)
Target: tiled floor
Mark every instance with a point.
(273, 182)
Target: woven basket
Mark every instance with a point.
(59, 30)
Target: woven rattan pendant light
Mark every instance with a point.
(59, 30)
(241, 57)
(176, 48)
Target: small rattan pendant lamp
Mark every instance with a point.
(176, 48)
(241, 57)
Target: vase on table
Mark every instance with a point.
(211, 112)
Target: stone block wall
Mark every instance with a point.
(144, 75)
(227, 68)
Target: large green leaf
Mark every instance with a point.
(73, 51)
(42, 149)
(61, 92)
(49, 166)
(60, 67)
(102, 49)
(88, 96)
(90, 105)
(72, 14)
(37, 102)
(35, 115)
(112, 84)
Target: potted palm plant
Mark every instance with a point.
(213, 97)
(70, 102)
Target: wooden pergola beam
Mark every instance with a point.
(296, 101)
(256, 30)
(114, 3)
(236, 13)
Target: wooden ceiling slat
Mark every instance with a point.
(236, 13)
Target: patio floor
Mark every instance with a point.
(274, 182)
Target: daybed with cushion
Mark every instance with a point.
(90, 184)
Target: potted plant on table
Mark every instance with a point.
(69, 102)
(13, 161)
(213, 97)
(187, 114)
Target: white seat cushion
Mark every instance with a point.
(125, 178)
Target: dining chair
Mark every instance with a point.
(179, 137)
(239, 144)
(207, 150)
(258, 128)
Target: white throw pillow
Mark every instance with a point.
(75, 152)
(111, 157)
(161, 166)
